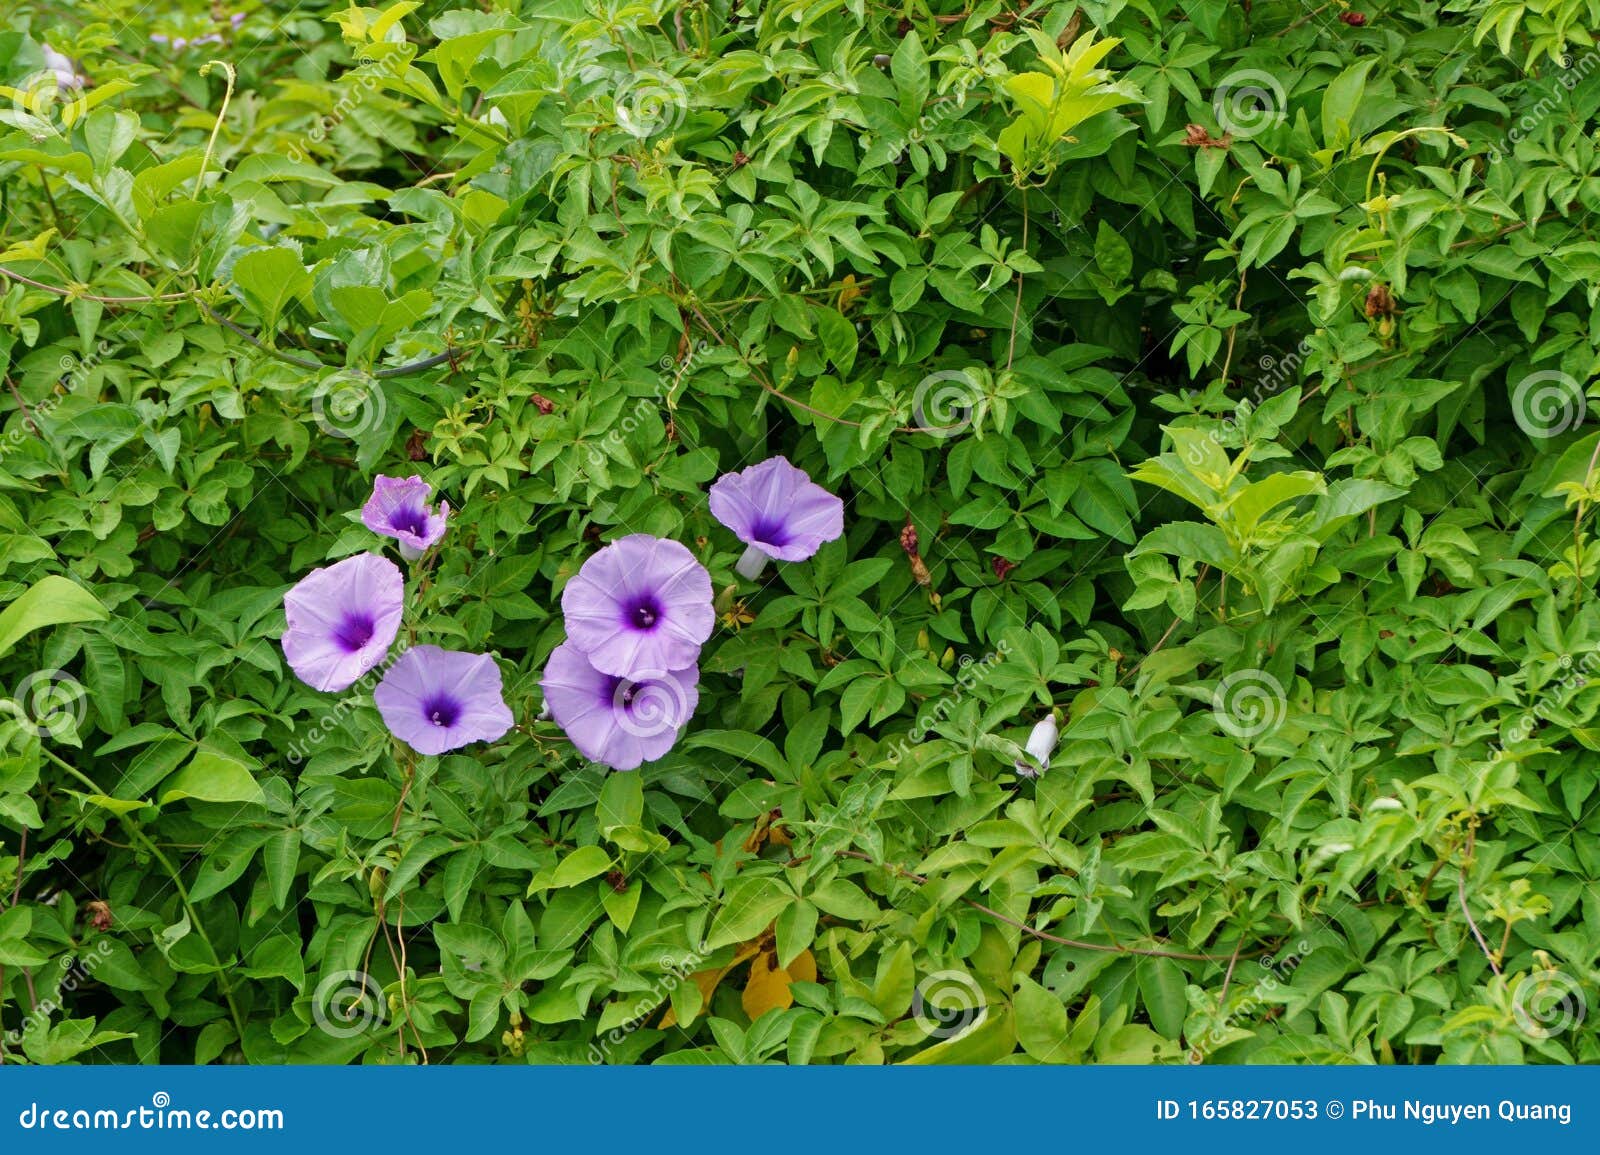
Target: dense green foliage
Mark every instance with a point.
(1210, 374)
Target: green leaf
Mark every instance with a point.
(1041, 1023)
(50, 601)
(215, 774)
(270, 279)
(580, 865)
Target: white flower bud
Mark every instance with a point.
(1041, 744)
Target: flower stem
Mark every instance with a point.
(211, 144)
(137, 831)
(751, 563)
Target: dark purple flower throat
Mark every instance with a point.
(442, 710)
(644, 614)
(354, 631)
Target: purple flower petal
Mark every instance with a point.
(436, 700)
(398, 508)
(778, 509)
(642, 603)
(342, 619)
(618, 722)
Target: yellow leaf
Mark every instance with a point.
(35, 250)
(1087, 53)
(849, 290)
(768, 988)
(391, 16)
(707, 981)
(1034, 93)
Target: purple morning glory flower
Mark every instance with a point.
(777, 511)
(618, 722)
(398, 508)
(642, 603)
(61, 67)
(342, 619)
(436, 700)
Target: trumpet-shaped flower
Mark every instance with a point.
(641, 604)
(398, 508)
(618, 722)
(437, 700)
(342, 619)
(777, 511)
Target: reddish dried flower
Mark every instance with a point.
(909, 543)
(1001, 567)
(543, 404)
(908, 538)
(1354, 19)
(1197, 136)
(416, 445)
(99, 914)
